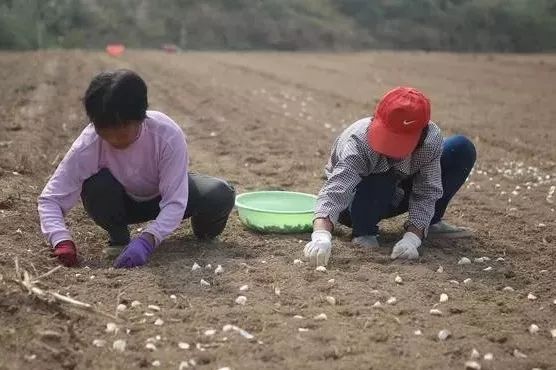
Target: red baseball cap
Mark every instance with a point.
(400, 117)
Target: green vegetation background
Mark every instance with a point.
(457, 25)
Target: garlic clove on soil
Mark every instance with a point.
(99, 342)
(321, 269)
(205, 283)
(195, 267)
(121, 307)
(444, 334)
(435, 312)
(443, 298)
(159, 322)
(475, 355)
(464, 261)
(398, 279)
(153, 307)
(219, 269)
(518, 354)
(331, 300)
(440, 269)
(488, 357)
(392, 300)
(320, 317)
(112, 328)
(472, 365)
(467, 281)
(508, 289)
(150, 346)
(184, 345)
(119, 345)
(533, 329)
(241, 300)
(531, 297)
(244, 288)
(135, 304)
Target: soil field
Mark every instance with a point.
(267, 121)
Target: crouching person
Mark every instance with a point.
(386, 165)
(130, 165)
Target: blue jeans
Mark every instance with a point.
(374, 194)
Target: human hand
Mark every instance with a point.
(136, 253)
(319, 248)
(66, 253)
(406, 248)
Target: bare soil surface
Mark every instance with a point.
(266, 121)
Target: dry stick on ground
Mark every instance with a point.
(17, 274)
(48, 296)
(34, 269)
(55, 160)
(38, 278)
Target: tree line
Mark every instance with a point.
(455, 25)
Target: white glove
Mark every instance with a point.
(407, 247)
(318, 249)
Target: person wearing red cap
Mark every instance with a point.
(382, 166)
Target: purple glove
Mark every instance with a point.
(136, 253)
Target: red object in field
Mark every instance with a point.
(115, 50)
(170, 48)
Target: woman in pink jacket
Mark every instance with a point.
(130, 165)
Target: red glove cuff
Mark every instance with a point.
(65, 244)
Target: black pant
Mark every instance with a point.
(209, 204)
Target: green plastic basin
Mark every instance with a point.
(277, 211)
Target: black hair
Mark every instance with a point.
(115, 97)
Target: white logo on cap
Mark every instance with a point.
(407, 123)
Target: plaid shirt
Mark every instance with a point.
(352, 159)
